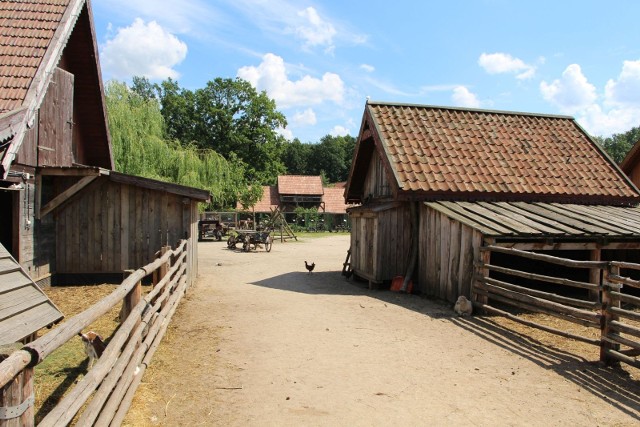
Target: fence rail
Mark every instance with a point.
(108, 388)
(619, 324)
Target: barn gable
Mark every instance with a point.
(436, 153)
(437, 184)
(40, 42)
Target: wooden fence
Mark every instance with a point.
(107, 390)
(603, 312)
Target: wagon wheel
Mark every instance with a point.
(231, 242)
(267, 243)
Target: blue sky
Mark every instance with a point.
(320, 60)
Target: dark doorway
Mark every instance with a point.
(6, 220)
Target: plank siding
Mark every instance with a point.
(110, 227)
(55, 132)
(376, 183)
(446, 255)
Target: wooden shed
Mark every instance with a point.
(437, 183)
(107, 222)
(64, 214)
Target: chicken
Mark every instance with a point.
(310, 267)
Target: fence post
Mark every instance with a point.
(164, 268)
(594, 274)
(131, 300)
(608, 301)
(16, 397)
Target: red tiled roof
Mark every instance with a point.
(300, 185)
(333, 199)
(269, 200)
(447, 151)
(26, 30)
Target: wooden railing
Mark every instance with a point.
(603, 312)
(108, 388)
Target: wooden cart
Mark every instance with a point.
(250, 240)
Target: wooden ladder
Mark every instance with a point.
(346, 266)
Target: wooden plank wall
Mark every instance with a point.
(393, 242)
(376, 183)
(380, 243)
(111, 227)
(447, 250)
(55, 122)
(28, 154)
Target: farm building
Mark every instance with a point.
(631, 164)
(65, 214)
(307, 192)
(436, 184)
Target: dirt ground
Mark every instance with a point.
(260, 342)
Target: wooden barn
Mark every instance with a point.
(64, 213)
(437, 183)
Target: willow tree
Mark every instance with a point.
(140, 148)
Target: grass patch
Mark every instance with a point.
(63, 368)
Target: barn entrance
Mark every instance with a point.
(7, 203)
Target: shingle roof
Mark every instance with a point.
(26, 30)
(300, 185)
(450, 151)
(270, 200)
(24, 308)
(333, 200)
(521, 219)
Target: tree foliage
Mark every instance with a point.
(230, 117)
(140, 148)
(618, 145)
(330, 158)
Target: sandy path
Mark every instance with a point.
(258, 341)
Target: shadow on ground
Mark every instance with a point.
(613, 385)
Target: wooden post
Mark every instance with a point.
(607, 317)
(162, 270)
(131, 300)
(16, 397)
(485, 258)
(594, 275)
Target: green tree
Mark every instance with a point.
(332, 157)
(618, 145)
(296, 157)
(228, 116)
(137, 134)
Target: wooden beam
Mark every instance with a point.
(65, 195)
(71, 171)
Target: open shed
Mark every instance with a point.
(437, 183)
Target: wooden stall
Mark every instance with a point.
(480, 177)
(118, 222)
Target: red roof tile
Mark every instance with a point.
(300, 185)
(449, 150)
(333, 200)
(26, 30)
(270, 200)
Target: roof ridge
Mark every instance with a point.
(469, 109)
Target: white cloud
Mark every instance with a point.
(314, 31)
(462, 97)
(271, 76)
(500, 63)
(620, 109)
(143, 50)
(285, 132)
(625, 91)
(605, 123)
(368, 68)
(572, 93)
(304, 118)
(339, 131)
